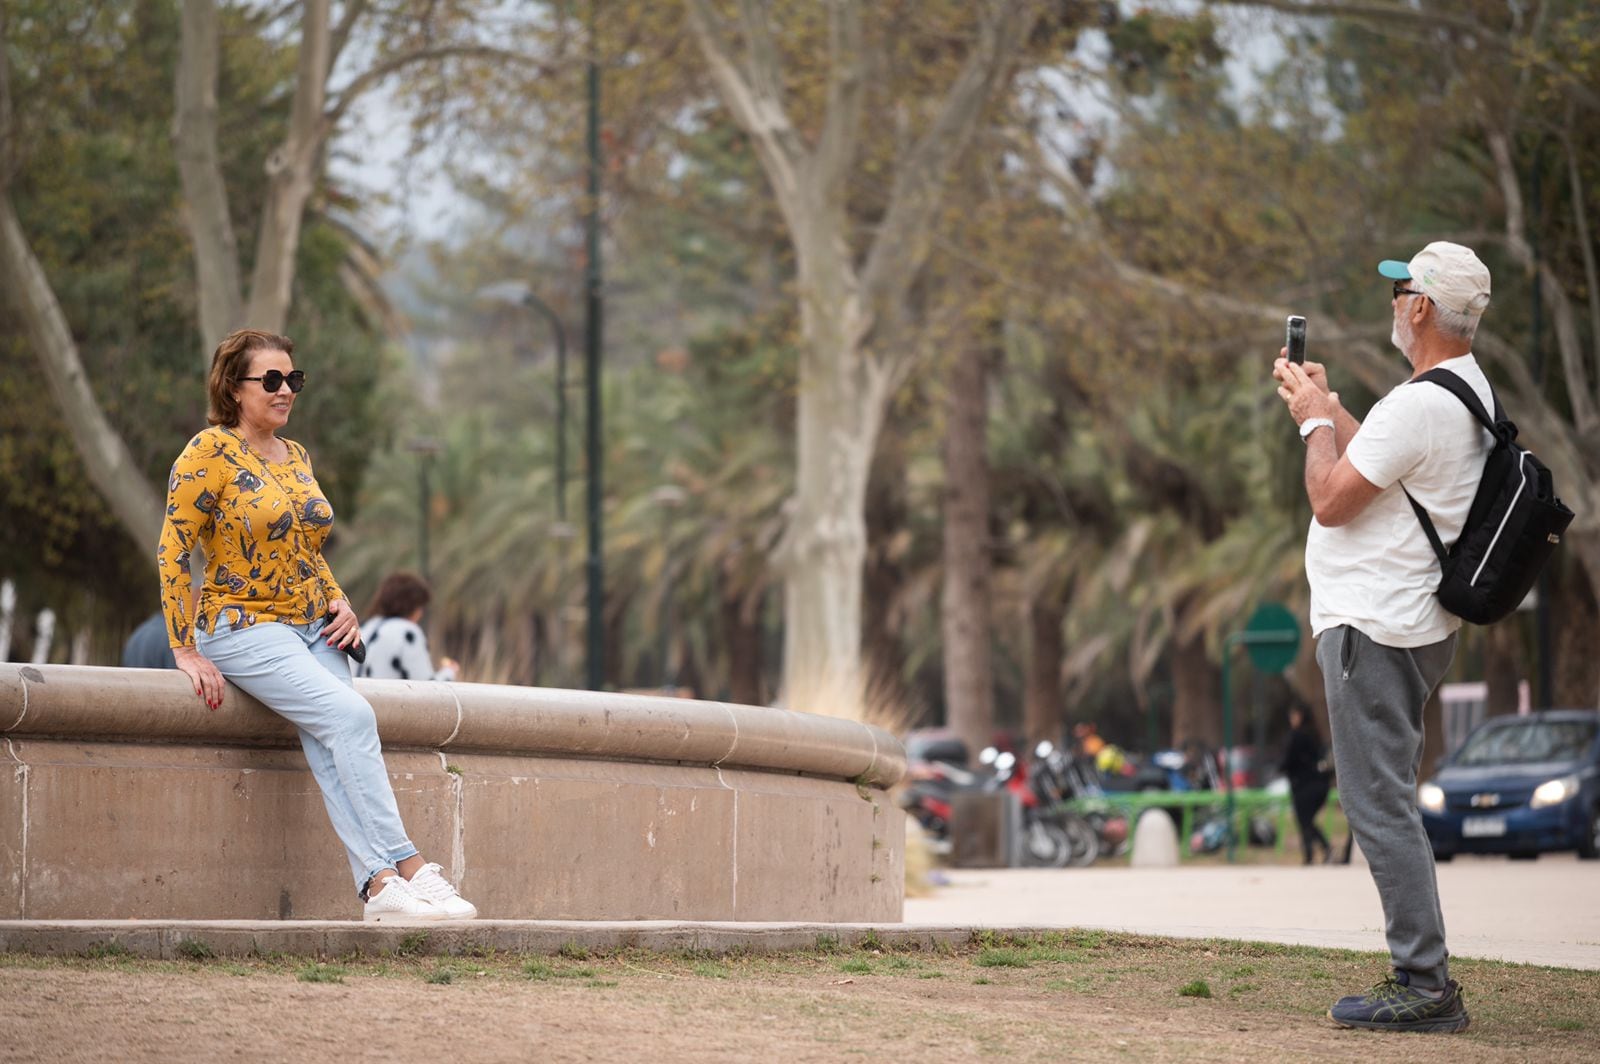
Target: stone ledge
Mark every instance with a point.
(158, 705)
(171, 939)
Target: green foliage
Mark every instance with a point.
(98, 195)
(1196, 989)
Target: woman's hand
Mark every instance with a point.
(208, 682)
(343, 627)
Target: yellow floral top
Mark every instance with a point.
(262, 525)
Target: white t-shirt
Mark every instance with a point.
(1378, 574)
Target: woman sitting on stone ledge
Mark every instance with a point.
(272, 620)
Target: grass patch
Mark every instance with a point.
(412, 944)
(195, 950)
(710, 970)
(870, 941)
(982, 980)
(1002, 958)
(541, 970)
(320, 973)
(828, 944)
(573, 952)
(930, 975)
(104, 951)
(440, 976)
(856, 966)
(1197, 989)
(1568, 1025)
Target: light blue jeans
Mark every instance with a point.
(291, 670)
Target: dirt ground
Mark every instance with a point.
(1073, 996)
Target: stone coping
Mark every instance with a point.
(101, 704)
(191, 939)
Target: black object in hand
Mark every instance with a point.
(1295, 338)
(357, 651)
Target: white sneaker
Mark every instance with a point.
(429, 884)
(398, 903)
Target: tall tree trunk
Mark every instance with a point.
(882, 627)
(1196, 694)
(844, 385)
(825, 543)
(741, 635)
(965, 607)
(292, 175)
(1043, 712)
(194, 134)
(1504, 665)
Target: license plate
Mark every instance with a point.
(1483, 827)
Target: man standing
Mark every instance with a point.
(1383, 640)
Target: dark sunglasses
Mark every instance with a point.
(273, 379)
(1399, 290)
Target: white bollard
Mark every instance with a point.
(1155, 841)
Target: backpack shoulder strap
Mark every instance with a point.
(1452, 383)
(1427, 527)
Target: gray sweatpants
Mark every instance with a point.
(1375, 699)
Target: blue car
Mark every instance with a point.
(1520, 786)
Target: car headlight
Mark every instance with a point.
(1554, 792)
(1431, 797)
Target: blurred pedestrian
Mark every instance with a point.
(147, 647)
(397, 647)
(272, 620)
(1305, 764)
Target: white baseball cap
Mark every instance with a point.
(1449, 274)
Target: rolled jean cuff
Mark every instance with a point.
(372, 873)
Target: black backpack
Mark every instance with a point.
(1512, 527)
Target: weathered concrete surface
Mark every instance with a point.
(122, 796)
(169, 939)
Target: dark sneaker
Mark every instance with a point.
(1393, 1005)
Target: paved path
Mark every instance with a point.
(1546, 912)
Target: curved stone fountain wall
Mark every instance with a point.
(121, 795)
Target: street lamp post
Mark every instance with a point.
(591, 349)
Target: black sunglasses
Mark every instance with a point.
(1398, 292)
(273, 379)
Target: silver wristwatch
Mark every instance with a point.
(1311, 424)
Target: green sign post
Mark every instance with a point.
(1272, 639)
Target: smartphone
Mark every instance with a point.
(1295, 338)
(357, 651)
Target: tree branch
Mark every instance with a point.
(1430, 17)
(353, 10)
(762, 117)
(8, 157)
(1584, 414)
(1590, 273)
(836, 148)
(205, 193)
(110, 466)
(901, 244)
(291, 173)
(368, 79)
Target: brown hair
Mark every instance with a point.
(400, 595)
(229, 362)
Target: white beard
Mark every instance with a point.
(1403, 336)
